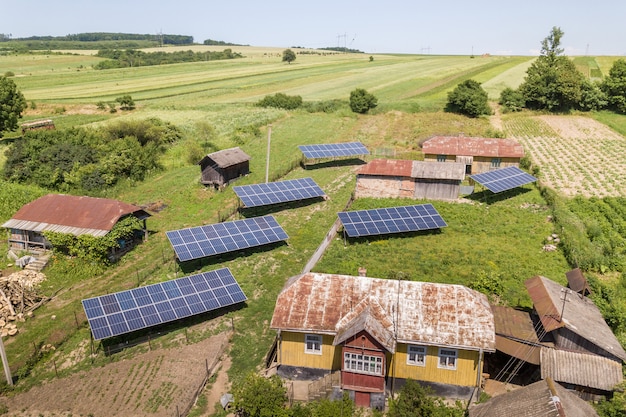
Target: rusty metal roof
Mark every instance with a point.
(577, 281)
(543, 398)
(368, 315)
(227, 157)
(513, 323)
(414, 169)
(472, 146)
(579, 314)
(70, 214)
(581, 369)
(423, 312)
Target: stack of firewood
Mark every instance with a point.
(18, 299)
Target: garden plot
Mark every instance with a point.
(576, 155)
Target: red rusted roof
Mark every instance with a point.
(471, 146)
(577, 281)
(72, 214)
(423, 312)
(579, 314)
(514, 323)
(388, 167)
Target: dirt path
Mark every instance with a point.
(218, 388)
(160, 383)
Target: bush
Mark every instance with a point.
(126, 102)
(468, 98)
(327, 106)
(9, 74)
(256, 396)
(281, 101)
(361, 101)
(511, 100)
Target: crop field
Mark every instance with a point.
(495, 236)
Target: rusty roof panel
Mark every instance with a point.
(368, 315)
(519, 350)
(72, 214)
(582, 369)
(388, 167)
(472, 146)
(424, 312)
(576, 280)
(580, 314)
(514, 324)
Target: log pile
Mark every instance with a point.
(18, 299)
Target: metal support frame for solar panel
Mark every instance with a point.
(127, 311)
(333, 150)
(214, 239)
(503, 179)
(255, 195)
(391, 220)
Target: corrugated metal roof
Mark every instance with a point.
(580, 314)
(70, 214)
(472, 146)
(227, 157)
(582, 369)
(514, 323)
(414, 169)
(424, 312)
(541, 399)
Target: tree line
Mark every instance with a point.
(164, 39)
(135, 58)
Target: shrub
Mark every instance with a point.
(126, 102)
(256, 396)
(468, 98)
(511, 100)
(361, 101)
(281, 101)
(9, 74)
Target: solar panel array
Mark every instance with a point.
(126, 311)
(391, 220)
(201, 241)
(278, 192)
(503, 179)
(334, 150)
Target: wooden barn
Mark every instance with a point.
(76, 215)
(377, 333)
(477, 154)
(222, 167)
(412, 179)
(46, 124)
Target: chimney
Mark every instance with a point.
(362, 272)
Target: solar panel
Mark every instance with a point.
(391, 220)
(278, 192)
(126, 311)
(333, 150)
(213, 239)
(503, 179)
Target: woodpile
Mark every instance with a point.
(18, 299)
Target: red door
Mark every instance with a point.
(362, 399)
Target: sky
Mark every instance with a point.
(385, 26)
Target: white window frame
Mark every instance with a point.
(442, 158)
(496, 162)
(363, 364)
(315, 341)
(447, 358)
(416, 355)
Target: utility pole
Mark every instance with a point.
(267, 165)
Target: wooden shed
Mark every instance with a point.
(477, 154)
(222, 167)
(412, 179)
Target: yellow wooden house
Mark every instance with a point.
(377, 333)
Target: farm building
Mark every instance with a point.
(47, 124)
(542, 399)
(413, 179)
(76, 215)
(374, 334)
(477, 154)
(222, 167)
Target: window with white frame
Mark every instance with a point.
(495, 162)
(416, 355)
(441, 158)
(313, 344)
(447, 358)
(363, 364)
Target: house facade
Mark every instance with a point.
(378, 333)
(222, 167)
(477, 154)
(410, 179)
(76, 215)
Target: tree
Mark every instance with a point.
(126, 102)
(552, 82)
(511, 100)
(256, 396)
(361, 101)
(12, 104)
(289, 56)
(614, 86)
(468, 98)
(414, 400)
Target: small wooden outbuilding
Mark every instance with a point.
(412, 179)
(222, 167)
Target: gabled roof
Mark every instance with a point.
(227, 157)
(542, 399)
(581, 369)
(472, 146)
(414, 169)
(368, 315)
(423, 312)
(77, 215)
(579, 314)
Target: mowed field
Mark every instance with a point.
(495, 237)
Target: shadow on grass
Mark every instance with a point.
(375, 238)
(489, 197)
(333, 163)
(274, 208)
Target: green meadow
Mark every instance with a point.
(500, 238)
